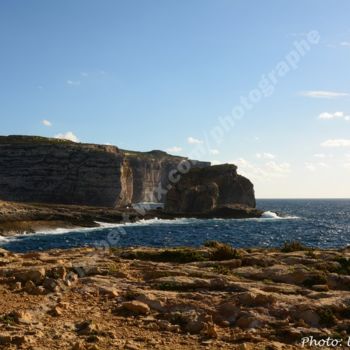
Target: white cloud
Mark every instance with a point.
(324, 94)
(193, 141)
(267, 171)
(174, 149)
(336, 143)
(345, 43)
(320, 155)
(278, 168)
(73, 82)
(315, 166)
(84, 74)
(214, 151)
(265, 156)
(67, 136)
(46, 122)
(335, 115)
(310, 167)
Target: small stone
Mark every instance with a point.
(210, 330)
(51, 285)
(58, 272)
(17, 286)
(78, 346)
(109, 292)
(56, 311)
(131, 346)
(320, 287)
(86, 327)
(21, 317)
(136, 307)
(247, 322)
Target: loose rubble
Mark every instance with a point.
(214, 297)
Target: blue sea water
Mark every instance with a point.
(316, 223)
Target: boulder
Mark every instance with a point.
(36, 275)
(136, 307)
(204, 189)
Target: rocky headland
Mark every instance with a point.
(49, 183)
(36, 169)
(213, 297)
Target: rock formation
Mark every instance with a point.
(209, 188)
(43, 170)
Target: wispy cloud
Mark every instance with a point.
(265, 155)
(46, 122)
(193, 141)
(69, 135)
(345, 43)
(267, 171)
(335, 115)
(323, 155)
(174, 149)
(214, 151)
(73, 82)
(84, 74)
(336, 143)
(315, 166)
(324, 94)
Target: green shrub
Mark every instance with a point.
(224, 252)
(212, 244)
(315, 279)
(327, 317)
(344, 266)
(293, 246)
(177, 255)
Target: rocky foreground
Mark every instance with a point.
(215, 297)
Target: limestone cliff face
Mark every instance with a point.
(36, 169)
(209, 188)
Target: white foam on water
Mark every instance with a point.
(274, 216)
(268, 215)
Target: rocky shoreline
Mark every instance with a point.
(214, 297)
(24, 218)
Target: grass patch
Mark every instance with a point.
(217, 252)
(222, 270)
(293, 246)
(8, 320)
(344, 266)
(315, 280)
(327, 317)
(224, 252)
(177, 255)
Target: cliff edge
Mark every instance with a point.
(44, 170)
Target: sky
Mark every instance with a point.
(261, 84)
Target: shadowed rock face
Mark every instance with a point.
(37, 169)
(205, 189)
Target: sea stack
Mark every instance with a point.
(209, 189)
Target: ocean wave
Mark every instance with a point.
(268, 215)
(274, 216)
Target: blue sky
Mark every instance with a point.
(159, 74)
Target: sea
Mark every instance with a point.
(314, 222)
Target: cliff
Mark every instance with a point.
(43, 170)
(210, 188)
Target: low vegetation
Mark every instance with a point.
(293, 246)
(215, 251)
